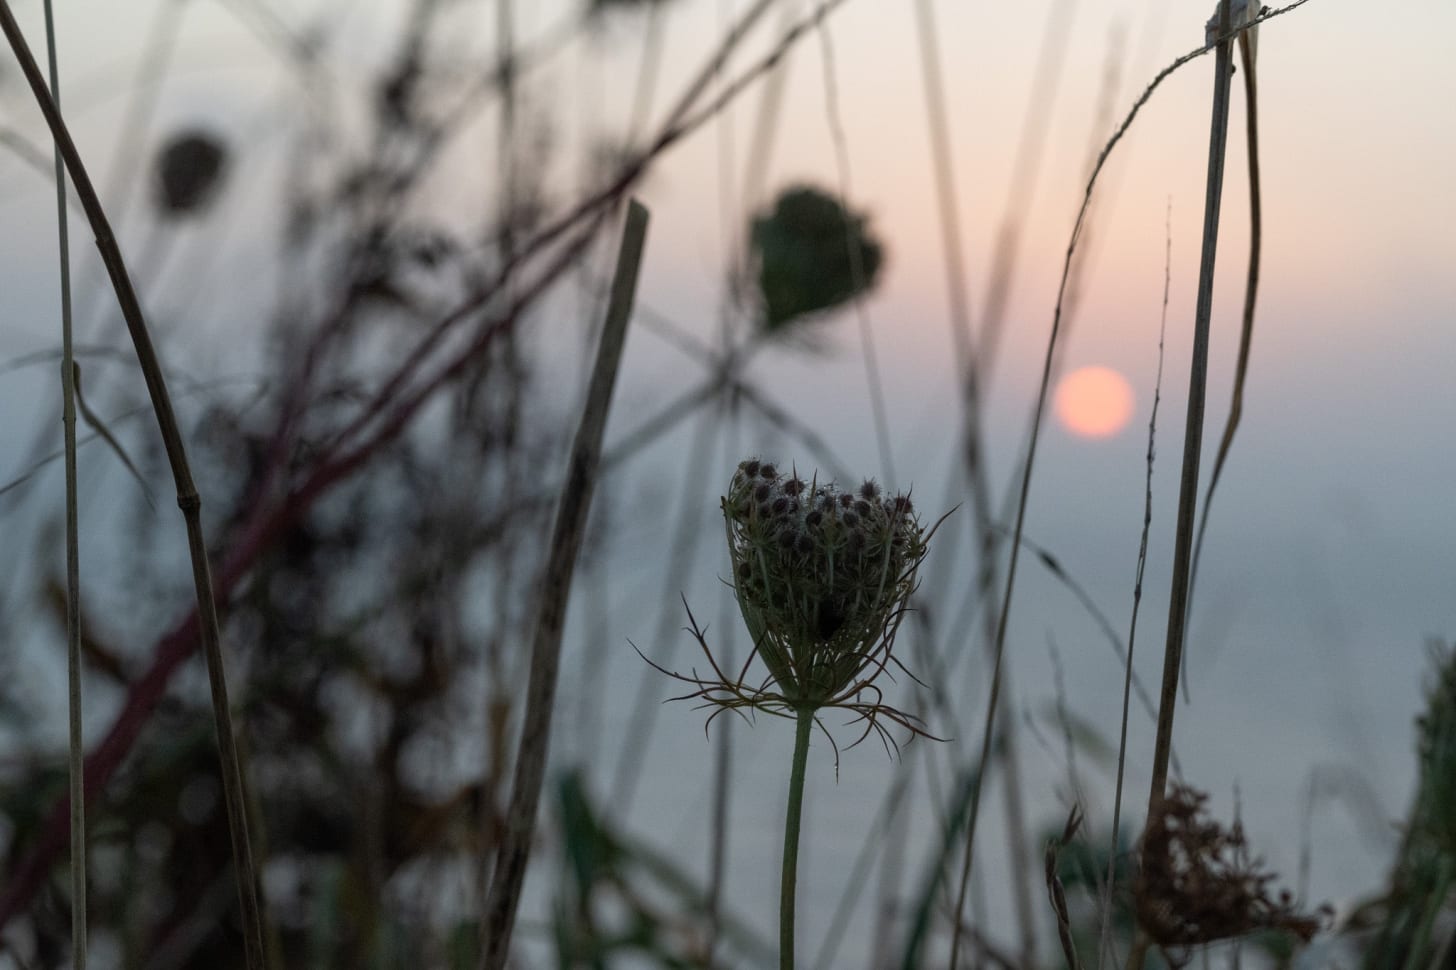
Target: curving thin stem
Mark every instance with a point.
(187, 497)
(1105, 936)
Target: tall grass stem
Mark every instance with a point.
(187, 496)
(1251, 295)
(76, 752)
(1193, 426)
(1105, 936)
(970, 373)
(571, 516)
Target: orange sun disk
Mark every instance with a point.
(1094, 402)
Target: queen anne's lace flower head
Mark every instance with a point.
(822, 576)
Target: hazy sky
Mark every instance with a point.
(1332, 550)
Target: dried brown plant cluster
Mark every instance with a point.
(1198, 884)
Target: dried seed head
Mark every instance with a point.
(807, 545)
(1197, 882)
(189, 172)
(750, 468)
(869, 489)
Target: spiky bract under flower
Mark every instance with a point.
(822, 576)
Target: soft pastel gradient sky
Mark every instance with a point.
(1332, 551)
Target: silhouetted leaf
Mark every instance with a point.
(811, 254)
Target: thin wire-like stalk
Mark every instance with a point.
(76, 751)
(1105, 937)
(583, 466)
(856, 262)
(187, 496)
(888, 817)
(970, 372)
(722, 771)
(792, 816)
(766, 122)
(718, 824)
(647, 70)
(1251, 292)
(687, 537)
(1026, 168)
(1193, 428)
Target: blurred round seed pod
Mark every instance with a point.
(188, 174)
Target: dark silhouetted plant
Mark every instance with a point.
(822, 579)
(803, 258)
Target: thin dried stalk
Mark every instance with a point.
(586, 452)
(1193, 427)
(1104, 943)
(187, 497)
(1058, 893)
(69, 374)
(1251, 293)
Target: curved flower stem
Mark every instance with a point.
(791, 838)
